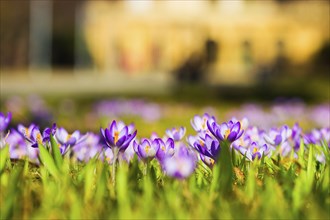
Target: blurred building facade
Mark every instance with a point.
(224, 41)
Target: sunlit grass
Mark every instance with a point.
(282, 188)
(270, 188)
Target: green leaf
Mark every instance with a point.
(101, 186)
(251, 182)
(122, 192)
(11, 194)
(215, 178)
(56, 152)
(301, 151)
(226, 169)
(47, 160)
(310, 168)
(89, 180)
(4, 155)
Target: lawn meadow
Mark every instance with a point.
(289, 180)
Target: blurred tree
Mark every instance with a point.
(195, 68)
(63, 29)
(14, 33)
(320, 62)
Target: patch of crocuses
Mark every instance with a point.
(177, 154)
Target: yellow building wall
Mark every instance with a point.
(141, 37)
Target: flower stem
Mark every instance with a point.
(114, 164)
(146, 168)
(226, 168)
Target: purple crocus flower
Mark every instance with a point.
(108, 155)
(49, 131)
(86, 150)
(67, 140)
(320, 115)
(206, 146)
(318, 136)
(243, 142)
(276, 137)
(296, 136)
(26, 131)
(135, 107)
(244, 122)
(118, 135)
(251, 134)
(313, 137)
(17, 145)
(200, 123)
(4, 121)
(123, 156)
(176, 134)
(226, 131)
(181, 165)
(32, 134)
(118, 138)
(147, 150)
(254, 151)
(128, 154)
(207, 160)
(285, 149)
(325, 132)
(166, 149)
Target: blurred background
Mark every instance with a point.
(231, 50)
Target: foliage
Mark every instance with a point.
(278, 188)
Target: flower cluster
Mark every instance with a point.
(281, 112)
(24, 141)
(135, 107)
(177, 156)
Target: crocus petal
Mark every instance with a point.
(278, 139)
(211, 126)
(169, 133)
(120, 141)
(113, 128)
(76, 134)
(35, 145)
(236, 127)
(170, 143)
(269, 140)
(128, 140)
(102, 132)
(135, 146)
(219, 135)
(120, 125)
(83, 138)
(240, 134)
(215, 148)
(182, 131)
(196, 123)
(176, 136)
(123, 132)
(223, 128)
(232, 136)
(109, 138)
(256, 155)
(61, 135)
(208, 140)
(71, 141)
(141, 152)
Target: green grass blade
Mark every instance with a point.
(47, 160)
(226, 169)
(56, 152)
(310, 168)
(4, 155)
